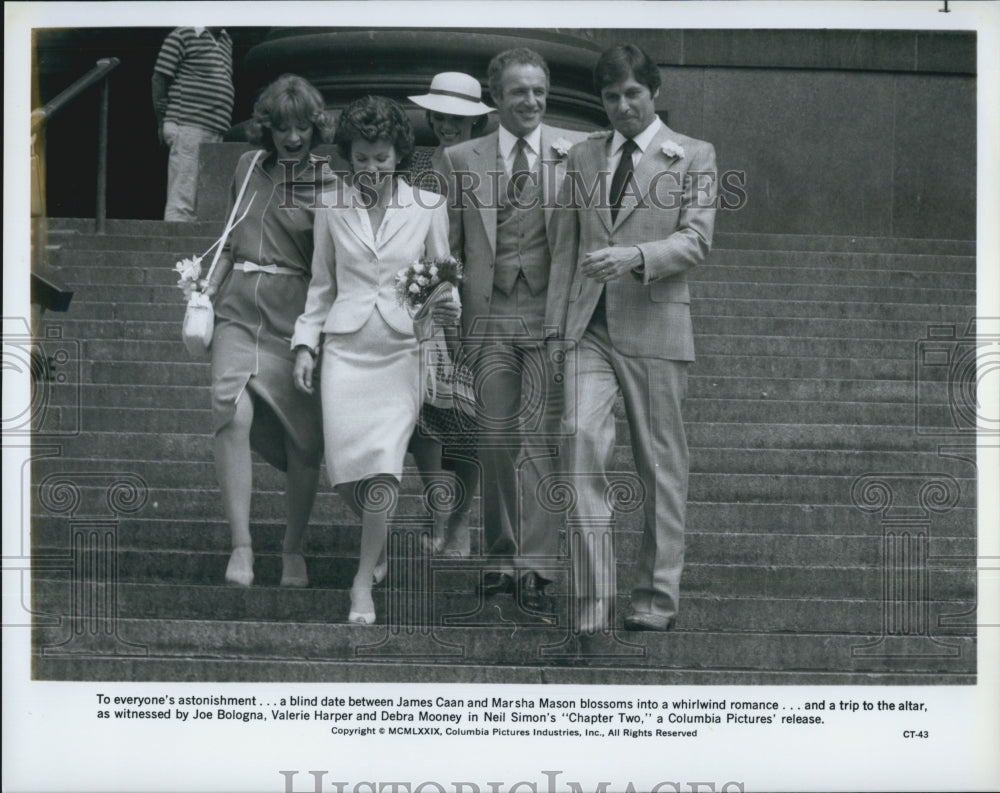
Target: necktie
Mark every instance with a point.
(621, 176)
(520, 172)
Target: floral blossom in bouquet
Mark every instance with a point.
(420, 287)
(416, 283)
(189, 275)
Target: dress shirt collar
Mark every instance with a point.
(642, 140)
(508, 141)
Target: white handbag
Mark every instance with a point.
(199, 317)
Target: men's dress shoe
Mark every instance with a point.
(497, 584)
(532, 593)
(643, 621)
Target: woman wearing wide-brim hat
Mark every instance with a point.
(443, 440)
(455, 113)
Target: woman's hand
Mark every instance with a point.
(303, 372)
(447, 312)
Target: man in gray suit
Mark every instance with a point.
(641, 209)
(501, 191)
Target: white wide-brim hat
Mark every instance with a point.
(454, 93)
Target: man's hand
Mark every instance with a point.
(609, 264)
(303, 372)
(447, 312)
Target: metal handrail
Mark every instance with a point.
(42, 115)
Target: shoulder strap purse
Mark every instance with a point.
(199, 317)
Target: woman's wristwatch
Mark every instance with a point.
(307, 348)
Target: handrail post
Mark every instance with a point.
(101, 211)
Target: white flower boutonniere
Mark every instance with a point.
(672, 149)
(562, 146)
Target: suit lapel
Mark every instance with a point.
(396, 214)
(551, 168)
(652, 162)
(357, 221)
(598, 165)
(484, 162)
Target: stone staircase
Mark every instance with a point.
(830, 539)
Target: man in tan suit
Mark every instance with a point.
(641, 209)
(501, 191)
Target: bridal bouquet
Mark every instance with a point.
(426, 282)
(420, 287)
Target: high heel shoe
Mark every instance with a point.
(362, 607)
(239, 571)
(293, 571)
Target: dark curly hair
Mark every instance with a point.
(289, 100)
(375, 118)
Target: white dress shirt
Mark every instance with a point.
(508, 147)
(642, 141)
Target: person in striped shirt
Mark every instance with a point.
(193, 102)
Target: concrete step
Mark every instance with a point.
(769, 307)
(945, 263)
(824, 578)
(849, 244)
(844, 519)
(68, 667)
(172, 350)
(941, 277)
(206, 525)
(180, 372)
(818, 437)
(762, 411)
(500, 647)
(151, 261)
(130, 308)
(722, 240)
(208, 602)
(72, 327)
(900, 392)
(136, 228)
(200, 473)
(725, 546)
(742, 289)
(199, 498)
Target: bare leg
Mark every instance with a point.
(377, 497)
(234, 470)
(457, 540)
(427, 455)
(300, 493)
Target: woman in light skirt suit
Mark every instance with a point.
(369, 378)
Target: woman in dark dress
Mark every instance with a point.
(260, 289)
(455, 113)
